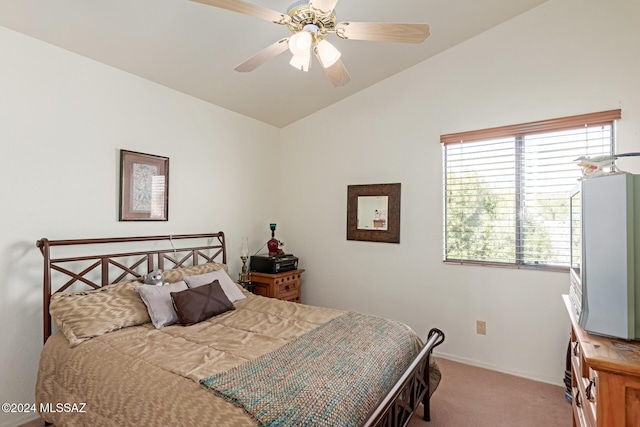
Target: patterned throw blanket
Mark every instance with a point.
(331, 376)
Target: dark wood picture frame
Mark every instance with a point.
(392, 232)
(144, 187)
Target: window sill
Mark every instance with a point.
(557, 269)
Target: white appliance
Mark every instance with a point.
(605, 255)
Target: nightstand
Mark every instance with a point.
(285, 286)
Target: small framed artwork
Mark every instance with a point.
(373, 212)
(144, 187)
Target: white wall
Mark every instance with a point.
(563, 58)
(63, 119)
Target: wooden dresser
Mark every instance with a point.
(605, 378)
(285, 286)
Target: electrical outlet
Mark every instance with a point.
(481, 327)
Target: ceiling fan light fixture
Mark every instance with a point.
(300, 43)
(327, 53)
(301, 62)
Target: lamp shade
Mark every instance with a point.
(327, 53)
(245, 247)
(300, 43)
(301, 62)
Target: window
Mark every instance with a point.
(507, 189)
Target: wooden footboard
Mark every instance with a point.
(397, 407)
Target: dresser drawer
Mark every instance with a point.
(584, 388)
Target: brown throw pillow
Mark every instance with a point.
(197, 304)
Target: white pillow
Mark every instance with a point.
(227, 284)
(159, 303)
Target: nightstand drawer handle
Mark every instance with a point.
(575, 348)
(287, 287)
(577, 399)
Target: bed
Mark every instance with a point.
(260, 361)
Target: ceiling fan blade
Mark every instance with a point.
(263, 56)
(337, 73)
(382, 32)
(325, 6)
(248, 9)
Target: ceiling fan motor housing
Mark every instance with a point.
(302, 15)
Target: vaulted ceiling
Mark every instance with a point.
(194, 48)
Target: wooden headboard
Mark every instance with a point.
(100, 269)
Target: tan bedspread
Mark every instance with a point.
(143, 376)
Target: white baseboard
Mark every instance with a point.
(527, 375)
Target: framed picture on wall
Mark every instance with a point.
(144, 187)
(373, 212)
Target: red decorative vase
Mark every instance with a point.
(272, 245)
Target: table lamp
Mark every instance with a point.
(244, 255)
(273, 243)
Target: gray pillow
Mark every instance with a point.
(231, 290)
(159, 303)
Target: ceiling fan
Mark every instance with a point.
(310, 22)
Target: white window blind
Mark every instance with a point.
(506, 189)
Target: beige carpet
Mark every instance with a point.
(470, 396)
